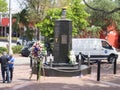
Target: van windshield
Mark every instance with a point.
(106, 45)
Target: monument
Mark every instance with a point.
(62, 39)
(60, 66)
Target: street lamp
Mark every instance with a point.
(10, 28)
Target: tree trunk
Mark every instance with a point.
(38, 34)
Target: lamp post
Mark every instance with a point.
(10, 28)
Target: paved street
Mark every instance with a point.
(4, 44)
(21, 80)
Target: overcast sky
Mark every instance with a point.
(15, 6)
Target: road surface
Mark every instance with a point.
(4, 44)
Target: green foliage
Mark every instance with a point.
(93, 31)
(47, 25)
(29, 33)
(15, 25)
(102, 19)
(2, 49)
(3, 6)
(23, 17)
(37, 9)
(17, 49)
(75, 12)
(20, 22)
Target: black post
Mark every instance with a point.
(88, 59)
(115, 65)
(51, 60)
(45, 59)
(98, 70)
(79, 63)
(31, 62)
(38, 69)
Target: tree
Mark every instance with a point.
(21, 25)
(118, 21)
(47, 25)
(3, 6)
(15, 24)
(37, 11)
(60, 3)
(93, 31)
(20, 18)
(75, 12)
(103, 12)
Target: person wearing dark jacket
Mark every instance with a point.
(4, 67)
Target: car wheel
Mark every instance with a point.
(111, 58)
(28, 53)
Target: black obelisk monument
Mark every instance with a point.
(62, 39)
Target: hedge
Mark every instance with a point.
(15, 49)
(3, 49)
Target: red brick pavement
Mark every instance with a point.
(108, 80)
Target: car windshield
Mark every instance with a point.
(28, 44)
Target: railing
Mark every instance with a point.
(114, 63)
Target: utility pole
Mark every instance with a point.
(10, 28)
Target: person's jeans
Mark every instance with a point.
(11, 73)
(5, 74)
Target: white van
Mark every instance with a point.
(97, 49)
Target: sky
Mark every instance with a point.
(15, 6)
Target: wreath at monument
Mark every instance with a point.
(38, 51)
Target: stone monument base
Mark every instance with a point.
(64, 69)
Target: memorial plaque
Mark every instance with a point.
(64, 39)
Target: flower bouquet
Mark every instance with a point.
(37, 53)
(37, 49)
(72, 58)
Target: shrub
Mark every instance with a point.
(17, 49)
(3, 49)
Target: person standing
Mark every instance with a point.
(4, 67)
(11, 66)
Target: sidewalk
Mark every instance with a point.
(88, 82)
(21, 81)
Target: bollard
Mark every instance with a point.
(45, 57)
(38, 70)
(31, 62)
(98, 70)
(115, 65)
(79, 63)
(51, 60)
(88, 59)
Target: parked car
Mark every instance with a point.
(25, 50)
(21, 41)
